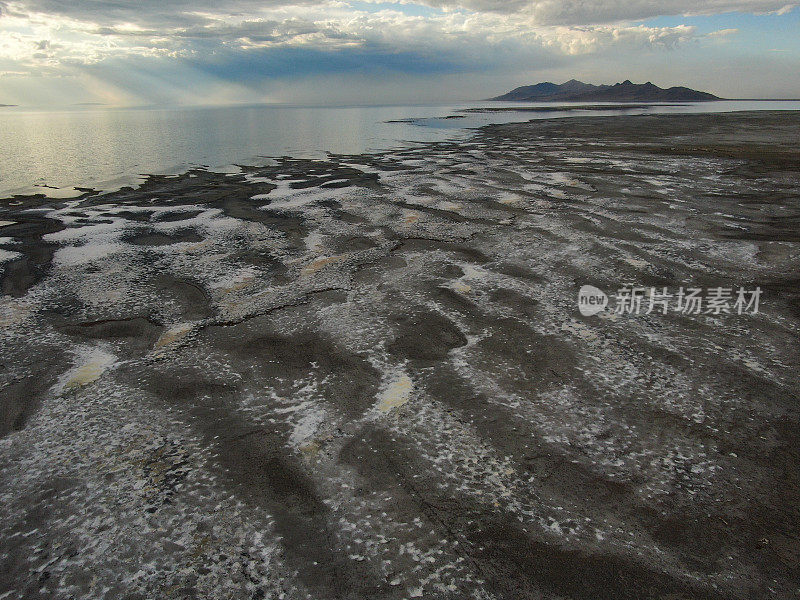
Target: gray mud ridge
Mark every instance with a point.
(366, 377)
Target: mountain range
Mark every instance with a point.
(577, 91)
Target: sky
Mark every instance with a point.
(205, 52)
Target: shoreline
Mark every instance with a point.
(132, 179)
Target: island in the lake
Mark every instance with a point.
(577, 91)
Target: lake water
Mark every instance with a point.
(104, 148)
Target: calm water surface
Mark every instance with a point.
(105, 148)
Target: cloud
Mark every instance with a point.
(185, 13)
(594, 12)
(591, 40)
(249, 42)
(465, 38)
(722, 33)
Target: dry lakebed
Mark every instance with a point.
(366, 377)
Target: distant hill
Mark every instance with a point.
(577, 91)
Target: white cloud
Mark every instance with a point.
(41, 38)
(593, 12)
(722, 33)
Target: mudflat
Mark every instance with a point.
(367, 377)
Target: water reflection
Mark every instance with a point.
(105, 148)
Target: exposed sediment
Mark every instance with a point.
(366, 377)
